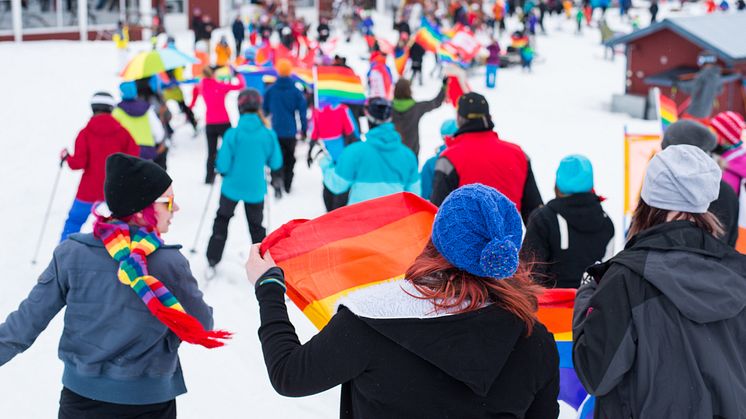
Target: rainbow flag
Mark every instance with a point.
(401, 56)
(353, 247)
(428, 36)
(741, 241)
(338, 85)
(555, 312)
(667, 111)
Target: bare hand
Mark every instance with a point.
(257, 265)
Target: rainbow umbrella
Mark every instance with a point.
(149, 63)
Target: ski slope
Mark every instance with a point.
(561, 108)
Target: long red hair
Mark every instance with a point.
(457, 291)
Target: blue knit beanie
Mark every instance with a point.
(448, 127)
(479, 230)
(575, 175)
(128, 90)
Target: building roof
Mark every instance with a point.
(721, 33)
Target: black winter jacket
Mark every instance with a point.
(396, 359)
(567, 236)
(662, 334)
(725, 208)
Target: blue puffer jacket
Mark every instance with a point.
(381, 165)
(245, 151)
(113, 348)
(282, 100)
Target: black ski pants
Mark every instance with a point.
(254, 216)
(333, 201)
(75, 406)
(287, 146)
(213, 132)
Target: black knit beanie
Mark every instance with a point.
(132, 184)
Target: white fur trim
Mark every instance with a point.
(390, 300)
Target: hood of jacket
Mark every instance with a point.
(582, 211)
(103, 125)
(285, 83)
(136, 107)
(383, 137)
(454, 343)
(249, 122)
(403, 105)
(701, 275)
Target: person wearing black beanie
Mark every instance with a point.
(130, 300)
(477, 155)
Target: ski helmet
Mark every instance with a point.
(102, 102)
(249, 100)
(378, 110)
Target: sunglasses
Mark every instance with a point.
(168, 200)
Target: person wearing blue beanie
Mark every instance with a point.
(572, 231)
(460, 327)
(447, 129)
(479, 230)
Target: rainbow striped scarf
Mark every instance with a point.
(131, 253)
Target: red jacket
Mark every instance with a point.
(102, 137)
(482, 157)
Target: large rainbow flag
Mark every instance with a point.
(667, 111)
(353, 247)
(336, 84)
(401, 56)
(555, 312)
(428, 36)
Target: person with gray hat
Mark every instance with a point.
(658, 329)
(725, 207)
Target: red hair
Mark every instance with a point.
(148, 216)
(457, 291)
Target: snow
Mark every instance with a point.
(561, 108)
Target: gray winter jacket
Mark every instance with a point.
(406, 118)
(663, 334)
(113, 348)
(703, 89)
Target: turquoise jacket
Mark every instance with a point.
(246, 149)
(380, 165)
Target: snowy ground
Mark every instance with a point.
(559, 109)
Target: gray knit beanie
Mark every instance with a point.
(681, 178)
(686, 131)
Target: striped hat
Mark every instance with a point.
(729, 127)
(103, 100)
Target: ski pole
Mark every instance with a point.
(193, 250)
(269, 207)
(49, 209)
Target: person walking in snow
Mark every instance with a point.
(380, 80)
(493, 64)
(572, 231)
(380, 165)
(124, 319)
(172, 91)
(478, 155)
(217, 121)
(416, 54)
(447, 129)
(725, 207)
(239, 33)
(408, 112)
(729, 127)
(246, 150)
(333, 127)
(140, 120)
(283, 103)
(657, 329)
(420, 329)
(101, 137)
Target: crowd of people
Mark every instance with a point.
(658, 327)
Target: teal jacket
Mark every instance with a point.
(246, 149)
(380, 165)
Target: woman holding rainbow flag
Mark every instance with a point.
(416, 346)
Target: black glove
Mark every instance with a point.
(445, 81)
(276, 183)
(309, 157)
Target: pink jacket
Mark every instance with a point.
(331, 122)
(735, 171)
(214, 92)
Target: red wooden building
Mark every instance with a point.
(666, 51)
